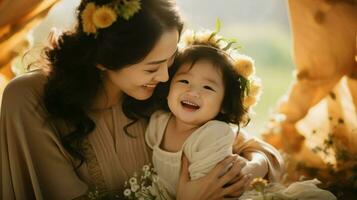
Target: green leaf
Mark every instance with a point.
(212, 35)
(218, 25)
(228, 46)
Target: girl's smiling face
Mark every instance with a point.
(196, 92)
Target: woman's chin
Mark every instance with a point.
(142, 96)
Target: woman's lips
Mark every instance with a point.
(150, 85)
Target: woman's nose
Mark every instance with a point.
(163, 74)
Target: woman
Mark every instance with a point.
(79, 126)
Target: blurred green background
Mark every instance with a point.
(261, 28)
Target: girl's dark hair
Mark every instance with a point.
(73, 78)
(236, 86)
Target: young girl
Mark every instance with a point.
(209, 98)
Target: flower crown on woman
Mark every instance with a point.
(96, 17)
(242, 64)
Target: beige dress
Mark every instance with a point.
(35, 165)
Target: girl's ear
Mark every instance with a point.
(101, 67)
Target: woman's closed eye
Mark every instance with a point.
(151, 70)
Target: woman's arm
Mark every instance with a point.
(258, 159)
(211, 186)
(34, 164)
(256, 164)
(262, 159)
(207, 180)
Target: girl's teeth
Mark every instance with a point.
(150, 86)
(189, 103)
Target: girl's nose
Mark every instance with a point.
(193, 93)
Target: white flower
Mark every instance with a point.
(135, 187)
(146, 168)
(127, 192)
(132, 181)
(147, 174)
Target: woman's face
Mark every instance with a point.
(196, 93)
(139, 80)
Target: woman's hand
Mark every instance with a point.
(256, 167)
(214, 185)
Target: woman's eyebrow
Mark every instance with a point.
(161, 61)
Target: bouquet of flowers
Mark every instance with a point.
(145, 186)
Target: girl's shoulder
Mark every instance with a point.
(216, 126)
(212, 131)
(159, 118)
(156, 127)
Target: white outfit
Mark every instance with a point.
(301, 190)
(204, 148)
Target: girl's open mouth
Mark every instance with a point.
(190, 105)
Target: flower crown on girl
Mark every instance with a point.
(242, 64)
(96, 17)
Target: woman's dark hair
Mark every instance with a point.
(74, 80)
(236, 86)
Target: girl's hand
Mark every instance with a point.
(213, 186)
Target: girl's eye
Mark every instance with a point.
(183, 81)
(208, 87)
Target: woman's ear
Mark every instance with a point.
(101, 67)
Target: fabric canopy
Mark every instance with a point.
(17, 18)
(316, 121)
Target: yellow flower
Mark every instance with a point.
(104, 16)
(245, 66)
(249, 101)
(187, 37)
(203, 36)
(129, 8)
(255, 87)
(259, 184)
(87, 19)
